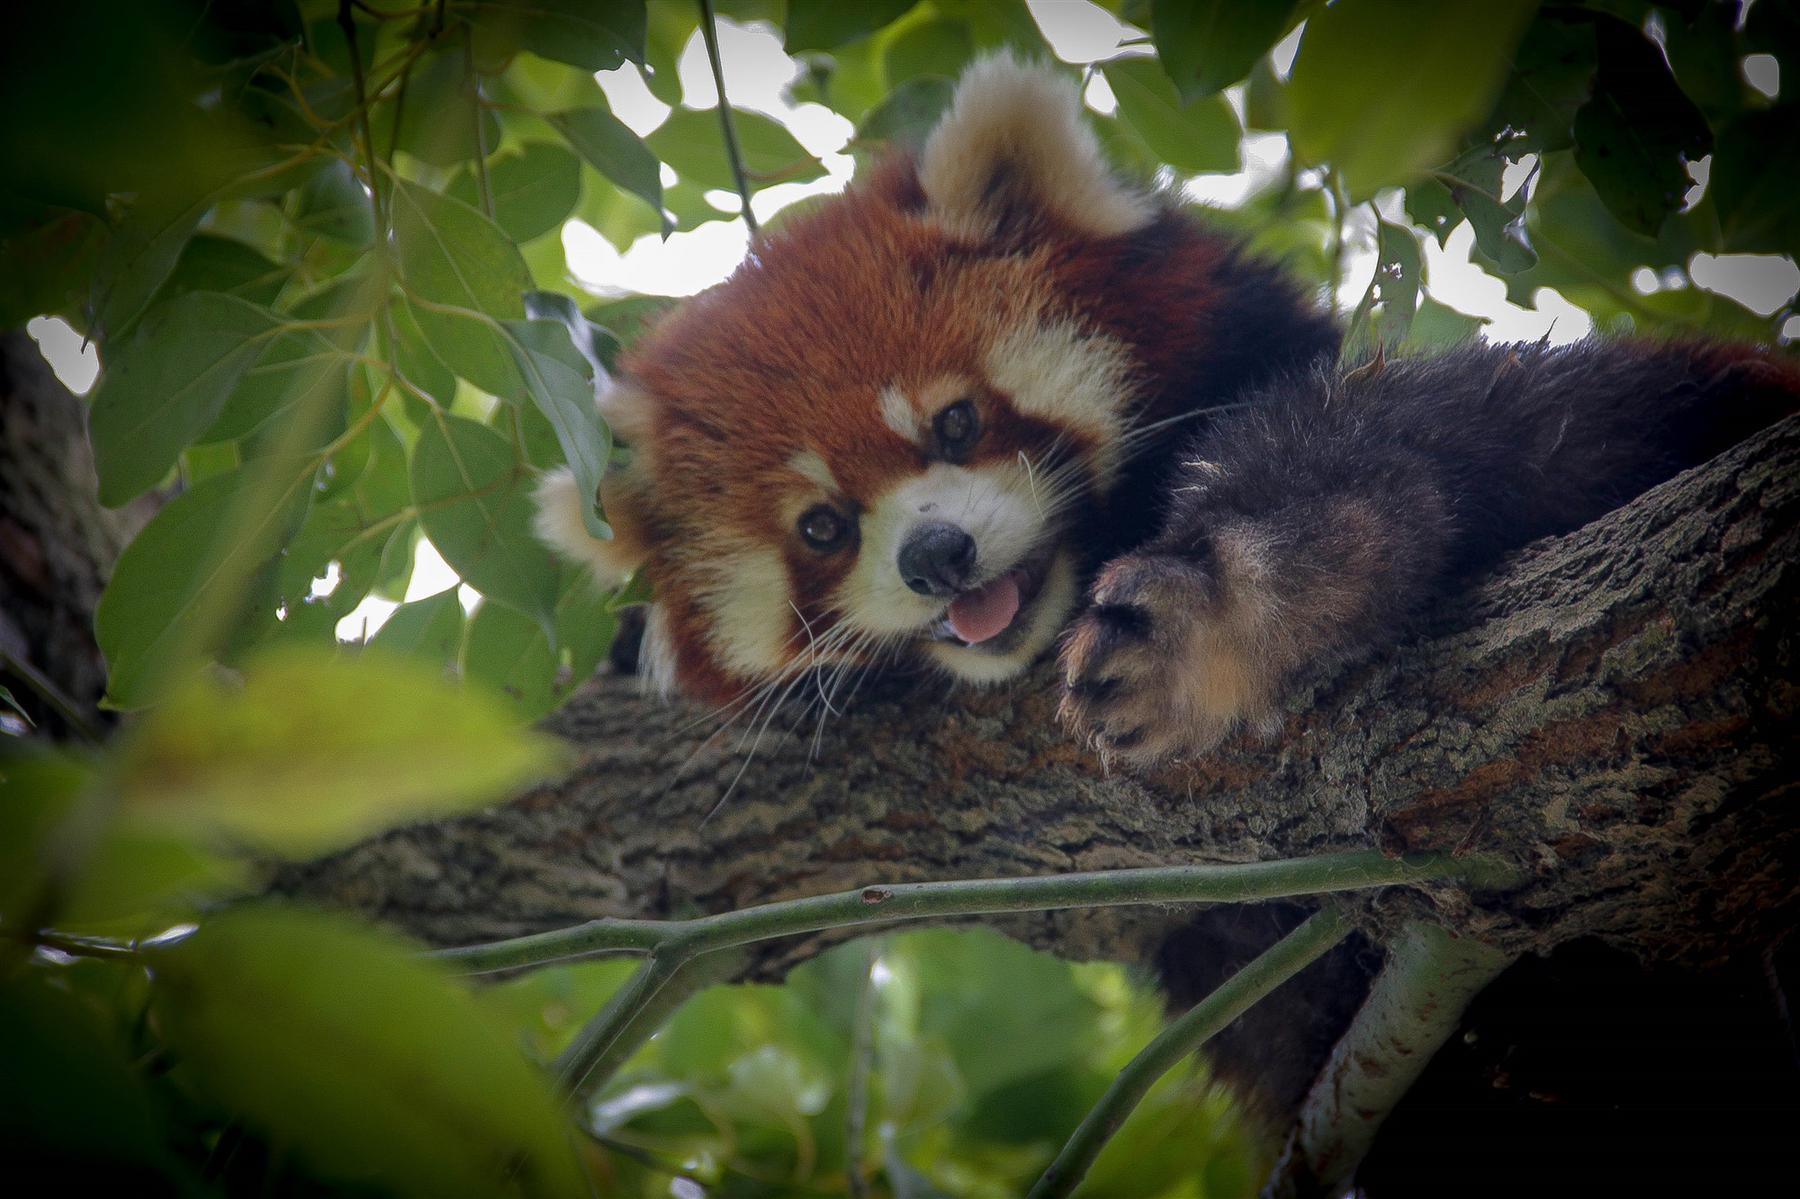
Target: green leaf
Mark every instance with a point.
(1636, 135)
(1207, 45)
(691, 142)
(1382, 90)
(437, 123)
(1438, 326)
(302, 368)
(826, 24)
(224, 264)
(595, 35)
(317, 749)
(560, 359)
(451, 255)
(332, 203)
(533, 190)
(611, 148)
(1552, 76)
(428, 629)
(909, 113)
(195, 573)
(1192, 138)
(341, 1044)
(167, 383)
(1757, 159)
(936, 47)
(509, 653)
(474, 499)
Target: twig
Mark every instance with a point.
(51, 694)
(346, 20)
(710, 32)
(884, 904)
(649, 997)
(1230, 1000)
(1417, 1002)
(856, 1089)
(86, 947)
(473, 82)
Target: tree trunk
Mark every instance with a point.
(57, 544)
(1613, 710)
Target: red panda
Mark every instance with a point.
(993, 397)
(913, 422)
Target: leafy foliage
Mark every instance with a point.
(318, 245)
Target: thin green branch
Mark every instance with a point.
(649, 997)
(734, 153)
(101, 948)
(1230, 1000)
(472, 81)
(885, 904)
(346, 19)
(1415, 1005)
(46, 690)
(856, 1088)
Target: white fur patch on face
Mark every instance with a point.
(558, 524)
(1022, 127)
(1051, 610)
(746, 594)
(898, 413)
(811, 467)
(993, 503)
(656, 654)
(1072, 379)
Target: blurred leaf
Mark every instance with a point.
(1382, 90)
(1636, 135)
(595, 35)
(909, 113)
(48, 261)
(1192, 138)
(533, 189)
(453, 256)
(428, 629)
(437, 118)
(935, 47)
(509, 653)
(224, 264)
(1758, 156)
(197, 570)
(167, 384)
(1207, 45)
(611, 148)
(691, 142)
(332, 203)
(1552, 77)
(1701, 45)
(317, 749)
(474, 499)
(138, 880)
(824, 24)
(627, 317)
(304, 367)
(73, 1106)
(369, 1063)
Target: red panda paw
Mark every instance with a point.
(1163, 665)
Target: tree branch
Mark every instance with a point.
(1613, 710)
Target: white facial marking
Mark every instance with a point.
(1071, 379)
(809, 466)
(993, 503)
(898, 413)
(752, 614)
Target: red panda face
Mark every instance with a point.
(867, 444)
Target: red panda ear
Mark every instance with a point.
(625, 496)
(1014, 138)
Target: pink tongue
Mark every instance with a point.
(981, 614)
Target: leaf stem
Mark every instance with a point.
(46, 690)
(709, 30)
(346, 20)
(1230, 1000)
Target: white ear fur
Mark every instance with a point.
(558, 525)
(1021, 126)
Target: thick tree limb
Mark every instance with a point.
(1614, 709)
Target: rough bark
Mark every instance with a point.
(57, 544)
(1614, 709)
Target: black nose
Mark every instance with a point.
(937, 558)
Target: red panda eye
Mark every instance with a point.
(823, 527)
(956, 428)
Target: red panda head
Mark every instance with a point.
(868, 442)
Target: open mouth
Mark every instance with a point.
(985, 616)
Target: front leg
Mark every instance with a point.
(1192, 637)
